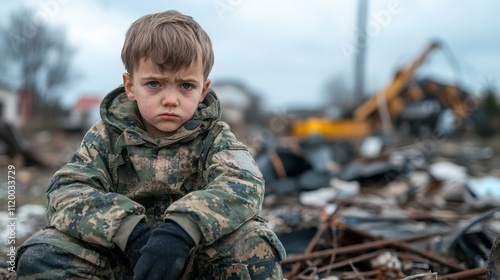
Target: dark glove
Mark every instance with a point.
(136, 241)
(165, 254)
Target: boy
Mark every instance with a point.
(159, 187)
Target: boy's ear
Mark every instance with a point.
(206, 87)
(129, 86)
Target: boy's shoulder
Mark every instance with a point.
(221, 132)
(220, 137)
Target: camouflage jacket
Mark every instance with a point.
(201, 177)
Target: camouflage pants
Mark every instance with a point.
(251, 252)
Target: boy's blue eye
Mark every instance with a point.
(153, 84)
(186, 86)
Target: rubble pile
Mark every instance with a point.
(415, 211)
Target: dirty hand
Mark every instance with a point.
(136, 241)
(165, 253)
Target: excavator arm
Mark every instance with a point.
(362, 123)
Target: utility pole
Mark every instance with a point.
(361, 45)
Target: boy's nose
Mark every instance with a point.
(169, 98)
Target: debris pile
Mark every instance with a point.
(417, 211)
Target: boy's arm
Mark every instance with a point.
(233, 193)
(80, 203)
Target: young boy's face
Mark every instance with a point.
(166, 99)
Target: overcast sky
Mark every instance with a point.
(287, 50)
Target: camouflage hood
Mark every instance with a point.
(122, 115)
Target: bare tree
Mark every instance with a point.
(36, 60)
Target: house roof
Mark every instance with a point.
(85, 103)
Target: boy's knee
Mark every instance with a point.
(263, 253)
(493, 264)
(43, 261)
(50, 254)
(253, 250)
(262, 243)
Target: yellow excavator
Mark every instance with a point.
(385, 106)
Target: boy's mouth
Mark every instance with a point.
(169, 116)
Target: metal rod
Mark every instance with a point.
(314, 241)
(466, 274)
(431, 256)
(359, 247)
(309, 249)
(361, 258)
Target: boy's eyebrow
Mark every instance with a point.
(191, 79)
(152, 77)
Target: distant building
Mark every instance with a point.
(84, 113)
(240, 104)
(9, 106)
(15, 107)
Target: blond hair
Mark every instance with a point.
(170, 39)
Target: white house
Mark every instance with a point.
(9, 106)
